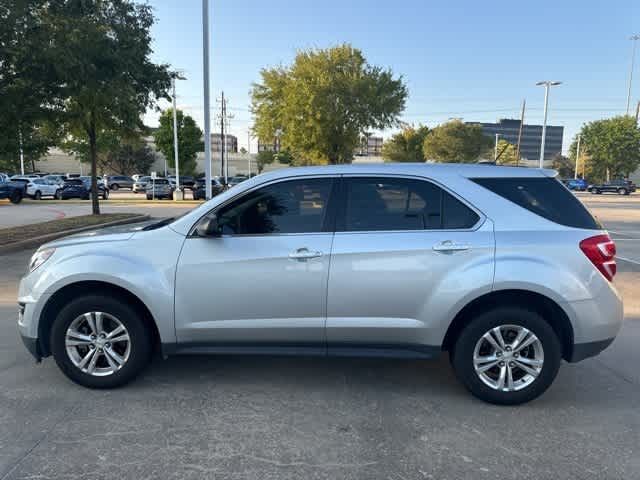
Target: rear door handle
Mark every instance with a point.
(303, 254)
(450, 246)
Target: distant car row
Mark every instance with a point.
(63, 187)
(621, 187)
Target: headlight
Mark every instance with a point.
(40, 257)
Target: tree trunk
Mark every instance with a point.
(93, 155)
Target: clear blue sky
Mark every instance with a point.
(471, 59)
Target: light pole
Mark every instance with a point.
(249, 150)
(575, 175)
(175, 140)
(495, 152)
(547, 84)
(634, 39)
(207, 123)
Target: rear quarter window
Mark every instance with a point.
(546, 197)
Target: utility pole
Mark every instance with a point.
(575, 175)
(495, 150)
(524, 102)
(547, 85)
(175, 141)
(222, 165)
(249, 150)
(638, 111)
(21, 150)
(207, 122)
(634, 40)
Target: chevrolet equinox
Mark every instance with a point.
(500, 266)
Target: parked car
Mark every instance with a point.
(10, 190)
(233, 181)
(70, 176)
(140, 185)
(199, 192)
(103, 192)
(73, 188)
(40, 187)
(159, 188)
(621, 187)
(502, 267)
(56, 178)
(186, 181)
(116, 182)
(579, 184)
(21, 182)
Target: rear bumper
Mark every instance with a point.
(591, 349)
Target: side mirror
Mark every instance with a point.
(208, 227)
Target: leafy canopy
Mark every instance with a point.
(610, 146)
(100, 54)
(506, 153)
(406, 146)
(456, 142)
(324, 102)
(189, 140)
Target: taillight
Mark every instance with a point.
(602, 252)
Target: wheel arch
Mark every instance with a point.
(552, 313)
(60, 297)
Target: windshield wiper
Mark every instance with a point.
(161, 223)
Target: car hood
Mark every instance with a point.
(117, 233)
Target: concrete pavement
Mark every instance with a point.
(291, 418)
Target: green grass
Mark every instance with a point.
(25, 232)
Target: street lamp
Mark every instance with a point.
(547, 84)
(634, 39)
(207, 122)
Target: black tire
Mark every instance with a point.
(140, 339)
(149, 197)
(622, 191)
(15, 197)
(115, 186)
(463, 352)
(37, 195)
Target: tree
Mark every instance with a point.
(128, 159)
(27, 94)
(609, 147)
(264, 158)
(406, 146)
(506, 153)
(189, 140)
(456, 142)
(564, 166)
(320, 105)
(101, 57)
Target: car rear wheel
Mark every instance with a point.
(15, 197)
(100, 342)
(622, 191)
(37, 195)
(115, 186)
(507, 356)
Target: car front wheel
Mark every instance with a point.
(507, 356)
(16, 197)
(622, 191)
(100, 342)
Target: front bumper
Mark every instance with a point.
(33, 346)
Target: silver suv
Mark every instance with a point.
(502, 267)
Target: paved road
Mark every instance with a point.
(284, 418)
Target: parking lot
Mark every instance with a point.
(313, 418)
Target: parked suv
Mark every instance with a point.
(159, 188)
(116, 182)
(502, 267)
(621, 187)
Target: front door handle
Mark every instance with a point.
(303, 254)
(450, 246)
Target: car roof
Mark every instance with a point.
(419, 169)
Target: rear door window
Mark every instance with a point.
(546, 197)
(392, 204)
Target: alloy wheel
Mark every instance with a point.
(97, 343)
(508, 358)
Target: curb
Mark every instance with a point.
(37, 241)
